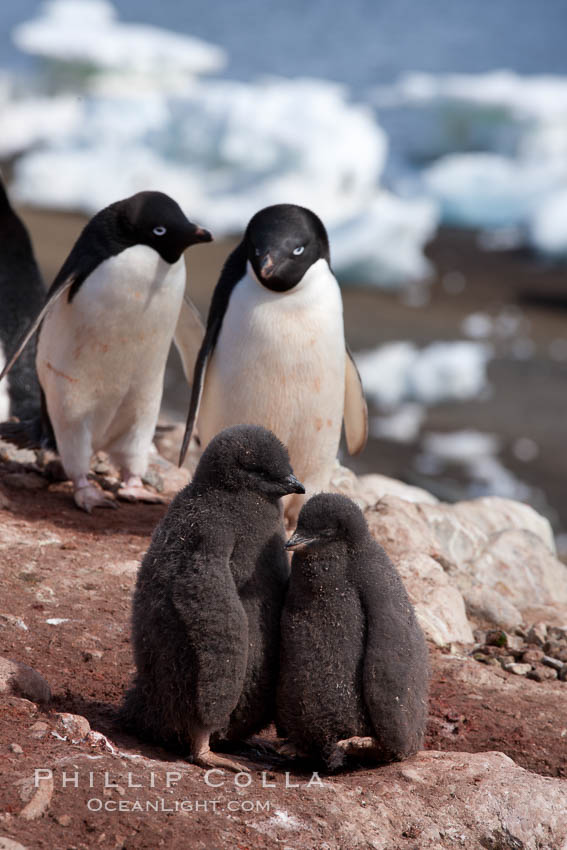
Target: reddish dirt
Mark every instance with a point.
(61, 563)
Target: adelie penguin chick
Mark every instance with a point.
(206, 611)
(274, 352)
(354, 669)
(106, 329)
(21, 296)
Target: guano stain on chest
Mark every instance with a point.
(61, 374)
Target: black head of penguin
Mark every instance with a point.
(147, 218)
(156, 220)
(247, 457)
(282, 243)
(328, 519)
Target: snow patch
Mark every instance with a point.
(443, 371)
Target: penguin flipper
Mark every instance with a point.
(355, 409)
(188, 336)
(218, 641)
(199, 377)
(233, 271)
(51, 299)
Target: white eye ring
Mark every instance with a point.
(159, 230)
(299, 250)
(257, 252)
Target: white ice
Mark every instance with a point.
(497, 143)
(223, 149)
(477, 454)
(401, 426)
(443, 371)
(88, 32)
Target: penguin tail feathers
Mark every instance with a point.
(27, 434)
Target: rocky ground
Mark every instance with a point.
(491, 597)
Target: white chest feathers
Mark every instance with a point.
(280, 362)
(112, 340)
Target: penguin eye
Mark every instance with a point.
(257, 252)
(159, 230)
(299, 250)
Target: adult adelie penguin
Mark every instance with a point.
(208, 599)
(106, 329)
(354, 671)
(21, 296)
(274, 351)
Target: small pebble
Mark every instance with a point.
(532, 656)
(486, 659)
(518, 669)
(537, 634)
(552, 662)
(514, 643)
(63, 820)
(496, 637)
(15, 748)
(541, 673)
(25, 481)
(92, 655)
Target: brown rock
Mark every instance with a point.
(542, 674)
(40, 801)
(92, 655)
(4, 500)
(518, 669)
(13, 621)
(496, 637)
(537, 634)
(554, 663)
(25, 481)
(21, 680)
(9, 844)
(438, 604)
(487, 604)
(532, 656)
(74, 726)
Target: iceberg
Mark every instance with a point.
(88, 33)
(146, 119)
(496, 144)
(489, 190)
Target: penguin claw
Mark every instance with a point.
(88, 496)
(365, 749)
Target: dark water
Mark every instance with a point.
(360, 42)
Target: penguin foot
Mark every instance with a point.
(88, 496)
(364, 749)
(208, 759)
(138, 493)
(289, 750)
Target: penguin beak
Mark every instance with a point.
(292, 485)
(266, 267)
(299, 541)
(201, 235)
